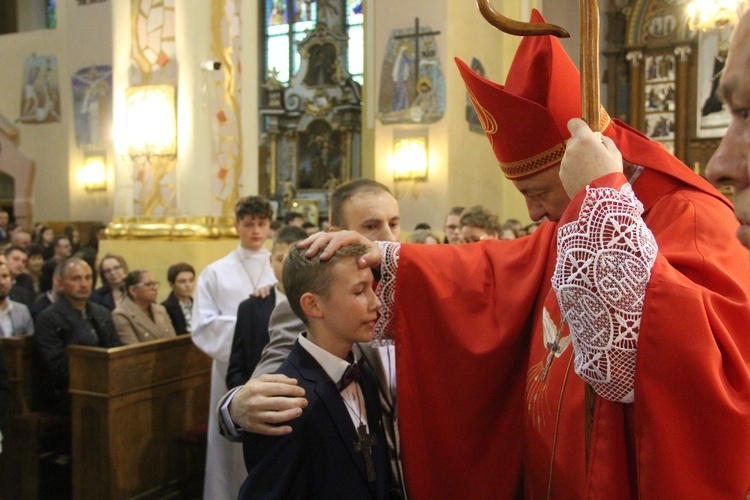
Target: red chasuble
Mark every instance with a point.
(478, 416)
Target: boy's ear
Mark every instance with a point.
(311, 306)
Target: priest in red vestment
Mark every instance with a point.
(636, 286)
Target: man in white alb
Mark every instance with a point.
(221, 287)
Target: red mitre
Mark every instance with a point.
(526, 119)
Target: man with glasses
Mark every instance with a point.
(452, 226)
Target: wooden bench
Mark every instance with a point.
(129, 405)
(26, 429)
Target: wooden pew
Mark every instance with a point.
(25, 429)
(129, 404)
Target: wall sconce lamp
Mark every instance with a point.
(93, 176)
(151, 121)
(409, 160)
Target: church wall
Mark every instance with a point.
(419, 201)
(82, 38)
(463, 169)
(475, 177)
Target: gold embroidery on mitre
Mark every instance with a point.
(489, 124)
(528, 166)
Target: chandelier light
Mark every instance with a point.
(706, 15)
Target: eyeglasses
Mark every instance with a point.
(151, 284)
(112, 269)
(452, 227)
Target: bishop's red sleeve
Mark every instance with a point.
(689, 424)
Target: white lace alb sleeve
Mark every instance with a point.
(386, 290)
(604, 262)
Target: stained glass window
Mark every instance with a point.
(287, 23)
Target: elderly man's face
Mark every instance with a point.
(730, 165)
(544, 195)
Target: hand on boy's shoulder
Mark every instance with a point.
(264, 403)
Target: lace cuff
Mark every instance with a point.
(386, 291)
(604, 262)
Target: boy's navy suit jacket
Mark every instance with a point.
(317, 460)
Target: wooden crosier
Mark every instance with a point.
(589, 96)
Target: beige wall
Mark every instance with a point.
(462, 167)
(82, 38)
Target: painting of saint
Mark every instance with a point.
(40, 99)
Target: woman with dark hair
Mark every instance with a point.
(112, 270)
(74, 235)
(138, 318)
(44, 236)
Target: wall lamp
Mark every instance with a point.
(409, 160)
(93, 175)
(151, 120)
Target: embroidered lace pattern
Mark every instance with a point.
(386, 291)
(604, 264)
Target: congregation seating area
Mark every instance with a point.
(137, 426)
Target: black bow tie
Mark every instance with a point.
(350, 375)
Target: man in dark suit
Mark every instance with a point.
(179, 303)
(337, 448)
(253, 314)
(72, 319)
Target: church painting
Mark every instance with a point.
(320, 155)
(40, 97)
(713, 115)
(660, 98)
(92, 106)
(412, 86)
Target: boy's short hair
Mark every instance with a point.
(303, 275)
(254, 206)
(481, 217)
(346, 191)
(11, 248)
(176, 269)
(34, 249)
(288, 235)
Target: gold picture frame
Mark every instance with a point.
(309, 208)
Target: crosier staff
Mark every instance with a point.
(591, 108)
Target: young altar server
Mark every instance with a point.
(337, 448)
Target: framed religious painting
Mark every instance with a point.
(309, 208)
(659, 102)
